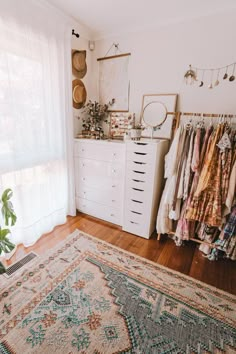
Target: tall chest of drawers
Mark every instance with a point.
(99, 178)
(143, 185)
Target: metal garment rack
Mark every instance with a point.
(176, 123)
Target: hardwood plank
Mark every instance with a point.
(185, 259)
(177, 258)
(221, 273)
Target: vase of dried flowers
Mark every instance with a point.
(94, 114)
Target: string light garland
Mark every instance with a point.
(196, 75)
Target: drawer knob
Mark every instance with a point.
(82, 149)
(114, 153)
(112, 214)
(113, 170)
(83, 178)
(83, 164)
(84, 192)
(113, 186)
(113, 200)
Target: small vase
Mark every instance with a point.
(135, 134)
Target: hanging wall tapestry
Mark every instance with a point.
(114, 81)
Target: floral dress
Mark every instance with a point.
(206, 205)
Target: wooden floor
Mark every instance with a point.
(186, 259)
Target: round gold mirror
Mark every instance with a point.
(154, 114)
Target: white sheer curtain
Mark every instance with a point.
(35, 116)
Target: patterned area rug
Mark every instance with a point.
(87, 296)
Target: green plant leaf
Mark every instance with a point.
(2, 268)
(4, 233)
(7, 208)
(5, 244)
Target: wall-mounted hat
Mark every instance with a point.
(79, 93)
(79, 66)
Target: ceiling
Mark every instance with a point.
(111, 17)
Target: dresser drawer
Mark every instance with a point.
(136, 216)
(138, 174)
(115, 185)
(141, 147)
(108, 196)
(135, 227)
(139, 166)
(99, 210)
(100, 151)
(138, 194)
(102, 169)
(145, 157)
(136, 205)
(136, 183)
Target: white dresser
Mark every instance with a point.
(143, 185)
(120, 182)
(99, 172)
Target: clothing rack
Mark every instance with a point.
(177, 120)
(178, 116)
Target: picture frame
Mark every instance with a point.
(120, 123)
(114, 81)
(169, 100)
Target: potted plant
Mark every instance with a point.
(94, 114)
(136, 132)
(8, 219)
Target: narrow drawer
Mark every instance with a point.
(136, 217)
(100, 211)
(136, 205)
(138, 174)
(135, 227)
(139, 166)
(137, 184)
(138, 194)
(145, 157)
(137, 146)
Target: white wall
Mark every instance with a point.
(160, 57)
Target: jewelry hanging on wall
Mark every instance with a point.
(232, 77)
(202, 81)
(192, 75)
(211, 86)
(217, 78)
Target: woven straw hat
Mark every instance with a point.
(79, 93)
(79, 66)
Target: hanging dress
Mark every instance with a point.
(185, 227)
(231, 195)
(206, 205)
(164, 224)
